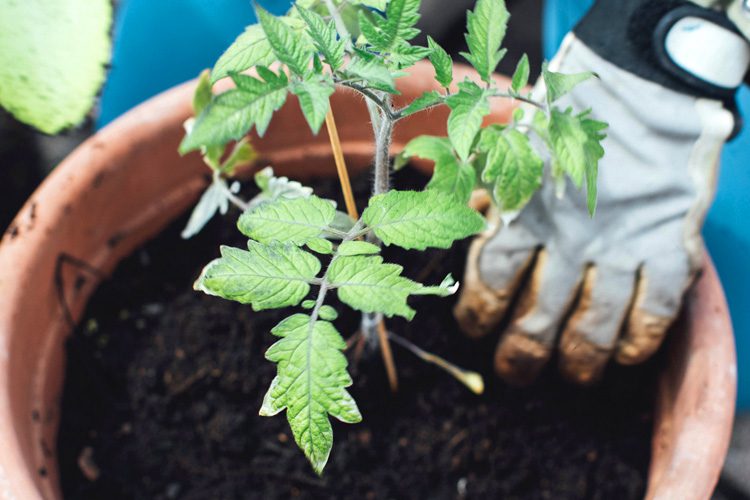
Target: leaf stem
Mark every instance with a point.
(472, 380)
(236, 200)
(381, 103)
(399, 114)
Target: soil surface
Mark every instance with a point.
(163, 387)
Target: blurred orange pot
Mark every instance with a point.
(126, 183)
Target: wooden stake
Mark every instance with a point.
(338, 156)
(385, 349)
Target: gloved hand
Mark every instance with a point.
(611, 285)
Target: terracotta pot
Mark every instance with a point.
(126, 183)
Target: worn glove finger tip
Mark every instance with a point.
(478, 313)
(581, 361)
(519, 359)
(645, 333)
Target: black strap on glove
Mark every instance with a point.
(632, 34)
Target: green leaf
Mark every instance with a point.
(422, 102)
(442, 63)
(288, 46)
(307, 304)
(469, 107)
(421, 219)
(328, 313)
(401, 17)
(242, 154)
(296, 221)
(266, 276)
(451, 176)
(234, 113)
(369, 285)
(559, 84)
(521, 75)
(454, 178)
(373, 72)
(320, 245)
(53, 58)
(576, 145)
(350, 248)
(374, 4)
(325, 38)
(250, 49)
(313, 93)
(386, 35)
(203, 92)
(310, 384)
(514, 168)
(486, 30)
(429, 147)
(407, 55)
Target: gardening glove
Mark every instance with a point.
(612, 284)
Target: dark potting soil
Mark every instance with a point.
(163, 387)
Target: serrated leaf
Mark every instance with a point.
(576, 145)
(288, 46)
(442, 63)
(421, 219)
(373, 72)
(451, 176)
(213, 200)
(486, 30)
(251, 48)
(559, 84)
(349, 248)
(203, 92)
(369, 285)
(454, 178)
(234, 113)
(53, 58)
(513, 168)
(407, 55)
(265, 276)
(310, 384)
(386, 35)
(325, 37)
(521, 75)
(296, 220)
(328, 313)
(401, 17)
(429, 147)
(320, 245)
(314, 93)
(426, 100)
(468, 108)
